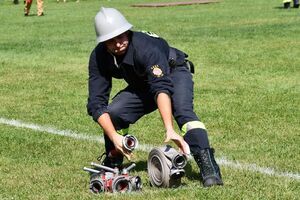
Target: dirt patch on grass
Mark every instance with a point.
(179, 3)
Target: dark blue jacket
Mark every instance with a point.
(145, 67)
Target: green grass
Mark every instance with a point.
(247, 93)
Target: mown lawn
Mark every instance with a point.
(246, 92)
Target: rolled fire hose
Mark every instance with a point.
(166, 166)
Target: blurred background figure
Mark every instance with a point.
(287, 3)
(40, 9)
(16, 1)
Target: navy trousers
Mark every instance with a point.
(130, 105)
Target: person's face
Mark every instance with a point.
(118, 45)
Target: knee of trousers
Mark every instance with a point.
(116, 118)
(185, 119)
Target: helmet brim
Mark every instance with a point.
(117, 32)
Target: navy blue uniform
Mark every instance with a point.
(146, 68)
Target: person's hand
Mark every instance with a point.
(178, 140)
(118, 142)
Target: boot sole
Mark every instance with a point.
(212, 181)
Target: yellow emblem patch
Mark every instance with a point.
(156, 71)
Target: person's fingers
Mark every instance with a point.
(179, 145)
(183, 146)
(179, 141)
(186, 148)
(180, 150)
(127, 154)
(127, 157)
(167, 139)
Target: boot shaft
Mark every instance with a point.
(112, 159)
(209, 169)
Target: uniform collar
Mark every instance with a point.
(128, 58)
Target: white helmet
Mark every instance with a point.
(110, 23)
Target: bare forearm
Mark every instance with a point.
(107, 125)
(165, 109)
(109, 129)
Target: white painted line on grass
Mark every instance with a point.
(255, 168)
(35, 127)
(146, 148)
(68, 133)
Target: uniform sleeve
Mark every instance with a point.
(157, 69)
(99, 87)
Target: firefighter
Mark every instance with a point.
(158, 76)
(287, 3)
(40, 9)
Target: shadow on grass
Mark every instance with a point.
(141, 166)
(279, 7)
(30, 15)
(282, 8)
(33, 15)
(190, 173)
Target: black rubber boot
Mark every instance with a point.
(287, 5)
(296, 3)
(209, 169)
(112, 159)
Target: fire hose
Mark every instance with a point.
(166, 167)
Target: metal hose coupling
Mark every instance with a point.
(166, 166)
(106, 179)
(130, 142)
